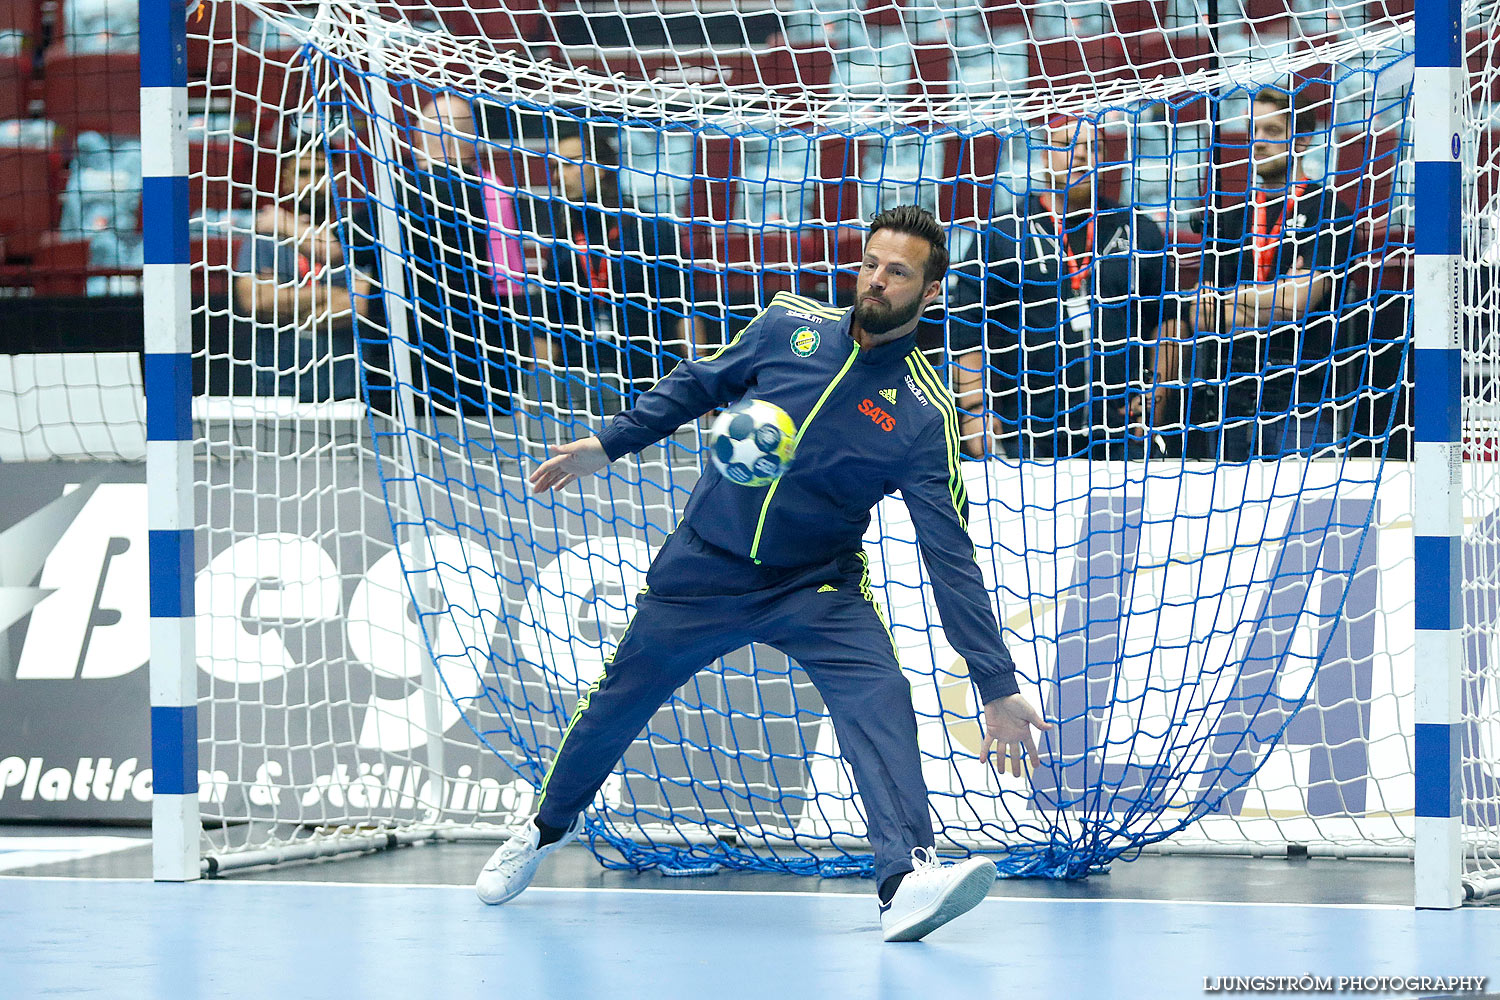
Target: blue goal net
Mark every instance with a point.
(1176, 327)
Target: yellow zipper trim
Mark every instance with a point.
(766, 504)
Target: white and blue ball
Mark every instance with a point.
(751, 442)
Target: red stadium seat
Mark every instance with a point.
(493, 19)
(1365, 176)
(15, 76)
(277, 80)
(1006, 17)
(837, 190)
(1483, 56)
(213, 254)
(255, 167)
(30, 180)
(1135, 17)
(267, 88)
(211, 188)
(1159, 55)
(1185, 50)
(24, 16)
(660, 65)
(716, 162)
(210, 54)
(1488, 148)
(1266, 13)
(1232, 171)
(98, 92)
(1057, 63)
(764, 262)
(787, 73)
(934, 68)
(969, 166)
(885, 13)
(60, 267)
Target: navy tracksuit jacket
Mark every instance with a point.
(783, 564)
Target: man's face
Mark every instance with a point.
(891, 290)
(1069, 159)
(568, 177)
(1271, 146)
(445, 132)
(305, 179)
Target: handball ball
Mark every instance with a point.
(751, 442)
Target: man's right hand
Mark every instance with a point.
(571, 463)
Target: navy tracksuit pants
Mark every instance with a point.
(701, 603)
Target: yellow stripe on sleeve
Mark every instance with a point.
(923, 371)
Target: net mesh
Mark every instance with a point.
(1479, 682)
(451, 236)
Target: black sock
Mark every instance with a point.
(550, 834)
(889, 886)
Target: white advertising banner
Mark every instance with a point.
(1170, 623)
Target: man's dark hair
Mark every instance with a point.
(913, 220)
(1302, 121)
(598, 150)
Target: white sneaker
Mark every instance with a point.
(513, 865)
(933, 893)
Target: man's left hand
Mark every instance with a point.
(1008, 723)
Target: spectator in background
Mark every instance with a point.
(1271, 290)
(301, 295)
(613, 289)
(461, 367)
(101, 25)
(616, 281)
(1068, 309)
(102, 204)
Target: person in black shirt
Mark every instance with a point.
(616, 288)
(461, 366)
(1061, 327)
(1271, 291)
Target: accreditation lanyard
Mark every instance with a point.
(593, 267)
(307, 270)
(1268, 240)
(1080, 264)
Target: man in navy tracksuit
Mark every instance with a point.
(783, 565)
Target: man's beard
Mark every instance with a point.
(1271, 173)
(881, 318)
(1074, 191)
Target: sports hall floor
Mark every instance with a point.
(406, 924)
